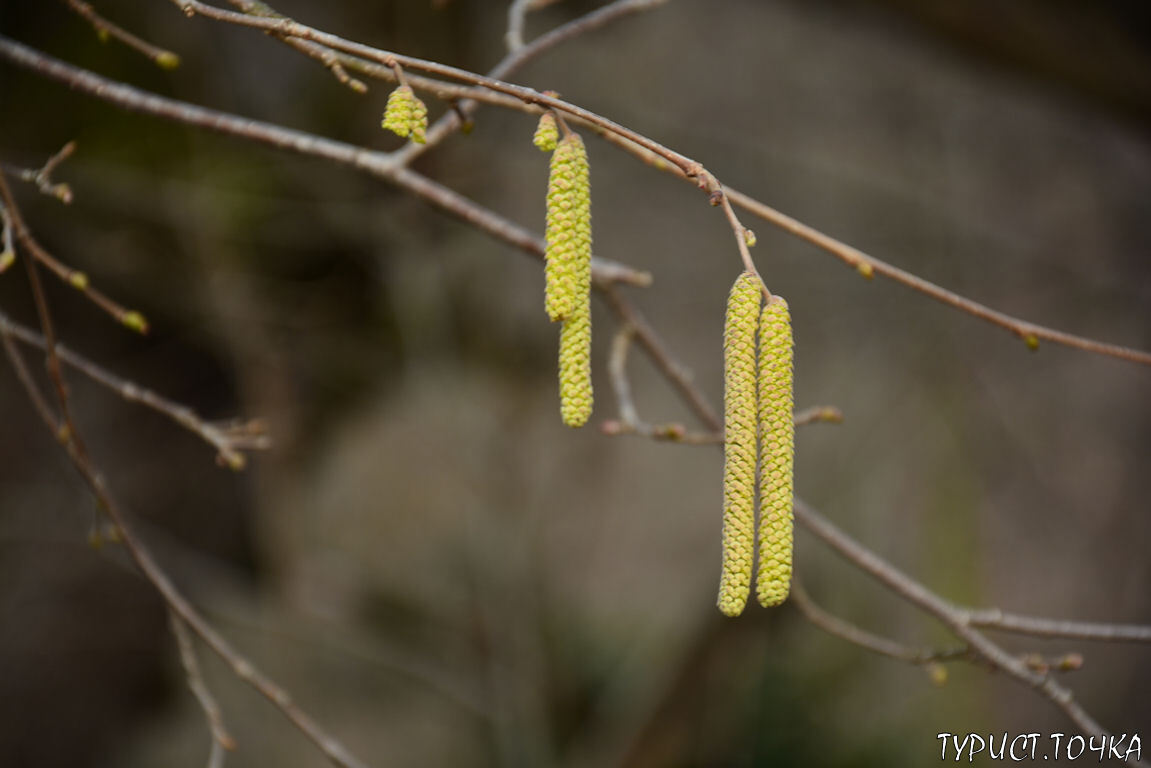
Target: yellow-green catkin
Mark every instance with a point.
(575, 368)
(739, 443)
(547, 135)
(405, 115)
(777, 441)
(567, 270)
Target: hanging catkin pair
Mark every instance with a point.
(567, 271)
(758, 411)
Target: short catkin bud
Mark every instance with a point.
(568, 256)
(575, 368)
(777, 440)
(405, 115)
(547, 134)
(739, 443)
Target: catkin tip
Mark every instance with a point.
(575, 369)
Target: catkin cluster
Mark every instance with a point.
(567, 294)
(405, 115)
(759, 429)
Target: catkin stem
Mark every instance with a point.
(739, 447)
(777, 438)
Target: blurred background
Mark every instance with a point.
(438, 569)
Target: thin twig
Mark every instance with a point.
(42, 176)
(993, 618)
(222, 741)
(229, 438)
(105, 29)
(845, 630)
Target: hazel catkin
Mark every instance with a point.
(739, 443)
(777, 441)
(568, 255)
(405, 115)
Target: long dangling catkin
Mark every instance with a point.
(777, 439)
(568, 255)
(739, 443)
(575, 368)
